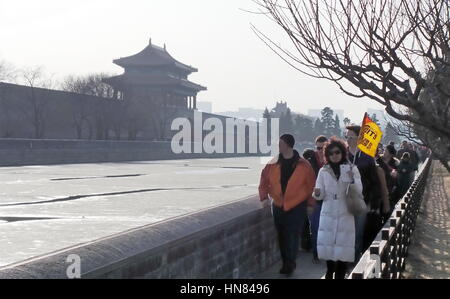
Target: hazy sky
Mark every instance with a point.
(79, 37)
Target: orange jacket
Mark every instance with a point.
(299, 188)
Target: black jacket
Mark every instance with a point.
(369, 178)
(310, 156)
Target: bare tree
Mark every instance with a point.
(80, 109)
(137, 117)
(384, 49)
(146, 110)
(161, 115)
(439, 88)
(7, 112)
(85, 112)
(35, 78)
(118, 117)
(347, 121)
(7, 72)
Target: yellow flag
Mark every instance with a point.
(370, 137)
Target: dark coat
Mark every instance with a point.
(311, 157)
(405, 177)
(370, 180)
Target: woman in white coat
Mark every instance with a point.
(336, 238)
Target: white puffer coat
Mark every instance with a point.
(336, 238)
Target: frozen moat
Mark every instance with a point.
(47, 208)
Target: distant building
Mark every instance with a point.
(153, 90)
(245, 113)
(280, 108)
(155, 75)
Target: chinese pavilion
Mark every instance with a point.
(154, 75)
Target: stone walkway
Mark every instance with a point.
(305, 269)
(429, 251)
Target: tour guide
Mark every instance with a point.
(289, 181)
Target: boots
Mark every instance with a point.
(288, 268)
(283, 269)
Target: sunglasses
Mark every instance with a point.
(335, 153)
(319, 148)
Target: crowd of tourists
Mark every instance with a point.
(335, 198)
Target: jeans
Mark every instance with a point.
(315, 221)
(306, 242)
(360, 224)
(289, 225)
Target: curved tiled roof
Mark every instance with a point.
(153, 56)
(156, 80)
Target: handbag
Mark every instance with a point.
(355, 201)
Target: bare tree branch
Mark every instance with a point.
(384, 49)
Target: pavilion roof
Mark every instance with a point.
(153, 80)
(153, 55)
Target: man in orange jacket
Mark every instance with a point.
(289, 181)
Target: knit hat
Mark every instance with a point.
(288, 139)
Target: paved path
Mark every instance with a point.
(305, 269)
(430, 247)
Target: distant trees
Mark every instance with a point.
(132, 116)
(266, 114)
(347, 121)
(391, 52)
(32, 108)
(319, 128)
(337, 126)
(436, 96)
(6, 115)
(327, 121)
(390, 134)
(34, 78)
(92, 107)
(7, 73)
(305, 128)
(286, 122)
(97, 116)
(375, 119)
(268, 118)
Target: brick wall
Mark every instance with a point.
(19, 152)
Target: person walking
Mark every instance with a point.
(403, 148)
(384, 173)
(317, 160)
(287, 180)
(367, 224)
(405, 174)
(389, 164)
(407, 147)
(336, 236)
